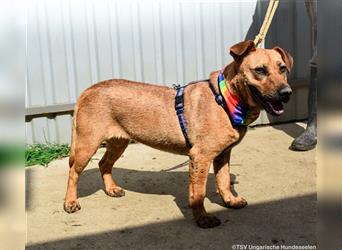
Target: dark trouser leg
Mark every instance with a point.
(308, 139)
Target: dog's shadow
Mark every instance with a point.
(164, 182)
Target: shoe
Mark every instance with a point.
(306, 141)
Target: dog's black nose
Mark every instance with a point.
(285, 93)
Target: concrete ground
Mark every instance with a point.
(278, 184)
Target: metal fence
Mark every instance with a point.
(73, 44)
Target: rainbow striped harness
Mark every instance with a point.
(237, 111)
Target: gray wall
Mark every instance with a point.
(73, 44)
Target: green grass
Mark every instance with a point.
(11, 155)
(43, 154)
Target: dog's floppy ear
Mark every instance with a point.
(287, 58)
(241, 49)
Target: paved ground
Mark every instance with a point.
(278, 184)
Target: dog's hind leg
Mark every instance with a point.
(222, 175)
(83, 148)
(115, 148)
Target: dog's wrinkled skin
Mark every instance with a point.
(117, 111)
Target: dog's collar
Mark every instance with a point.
(239, 113)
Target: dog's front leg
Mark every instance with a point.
(198, 174)
(222, 175)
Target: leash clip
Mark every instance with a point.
(176, 86)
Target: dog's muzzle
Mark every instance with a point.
(272, 104)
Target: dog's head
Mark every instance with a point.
(263, 75)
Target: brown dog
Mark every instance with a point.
(116, 111)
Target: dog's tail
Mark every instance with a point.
(73, 139)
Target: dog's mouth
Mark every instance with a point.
(273, 107)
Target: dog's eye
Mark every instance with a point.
(261, 71)
(283, 69)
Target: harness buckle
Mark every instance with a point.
(219, 99)
(178, 101)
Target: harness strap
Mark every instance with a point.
(179, 106)
(218, 96)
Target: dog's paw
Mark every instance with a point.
(115, 191)
(208, 221)
(236, 203)
(71, 206)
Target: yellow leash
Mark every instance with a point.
(272, 7)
